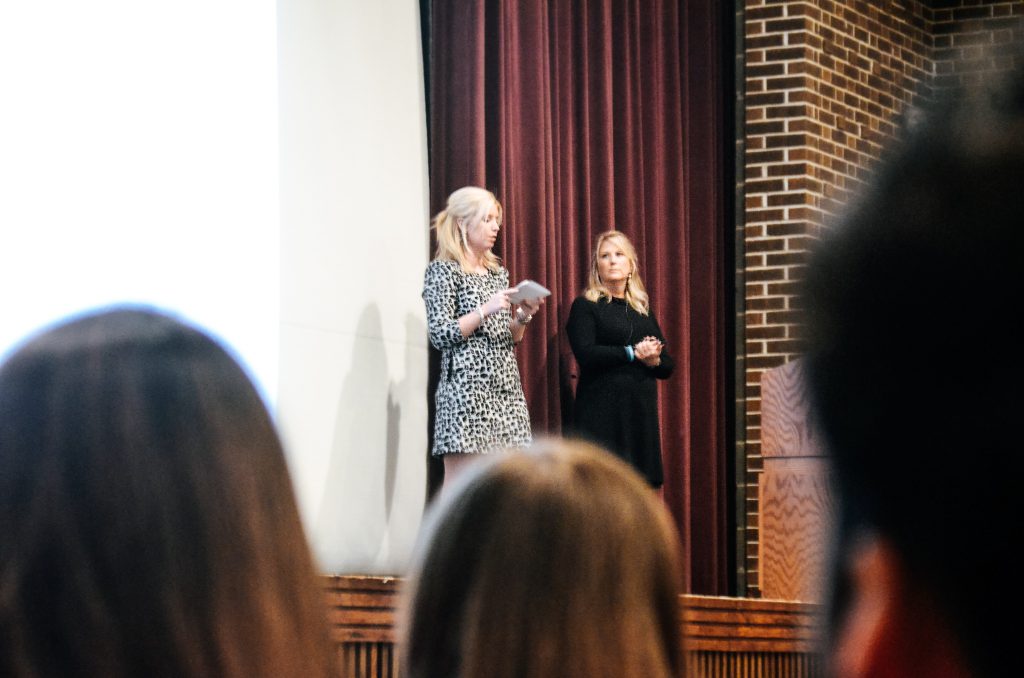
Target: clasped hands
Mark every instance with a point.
(648, 351)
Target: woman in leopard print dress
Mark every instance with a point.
(479, 401)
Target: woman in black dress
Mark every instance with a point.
(621, 351)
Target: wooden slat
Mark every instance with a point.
(362, 609)
(724, 637)
(718, 624)
(752, 665)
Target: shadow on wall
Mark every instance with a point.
(353, 523)
(408, 390)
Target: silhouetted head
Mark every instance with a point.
(555, 562)
(916, 383)
(147, 516)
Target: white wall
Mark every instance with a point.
(354, 210)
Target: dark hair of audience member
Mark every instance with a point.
(914, 364)
(555, 562)
(148, 522)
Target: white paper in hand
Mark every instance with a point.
(528, 290)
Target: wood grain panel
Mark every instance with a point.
(793, 491)
(786, 430)
(796, 507)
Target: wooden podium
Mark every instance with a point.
(793, 491)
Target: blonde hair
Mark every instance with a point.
(469, 205)
(636, 293)
(573, 571)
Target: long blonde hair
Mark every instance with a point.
(636, 293)
(573, 572)
(469, 204)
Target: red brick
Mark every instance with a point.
(786, 140)
(766, 99)
(765, 362)
(766, 274)
(769, 127)
(787, 346)
(766, 304)
(784, 259)
(765, 186)
(780, 199)
(755, 289)
(782, 317)
(766, 245)
(784, 25)
(788, 169)
(763, 41)
(774, 332)
(769, 12)
(789, 82)
(791, 111)
(751, 261)
(785, 54)
(787, 228)
(765, 70)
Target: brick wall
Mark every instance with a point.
(826, 84)
(970, 39)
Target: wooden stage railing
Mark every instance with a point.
(725, 637)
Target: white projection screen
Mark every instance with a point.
(258, 168)
(138, 163)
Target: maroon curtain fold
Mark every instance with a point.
(583, 116)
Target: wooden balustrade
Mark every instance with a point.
(724, 637)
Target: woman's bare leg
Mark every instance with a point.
(454, 465)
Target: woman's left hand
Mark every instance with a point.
(531, 306)
(522, 317)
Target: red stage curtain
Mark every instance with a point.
(582, 116)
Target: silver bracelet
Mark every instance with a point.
(480, 310)
(523, 317)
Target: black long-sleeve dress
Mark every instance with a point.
(617, 399)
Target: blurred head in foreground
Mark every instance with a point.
(147, 521)
(918, 384)
(555, 562)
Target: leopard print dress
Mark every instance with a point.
(479, 401)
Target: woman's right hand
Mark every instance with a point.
(648, 351)
(498, 302)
